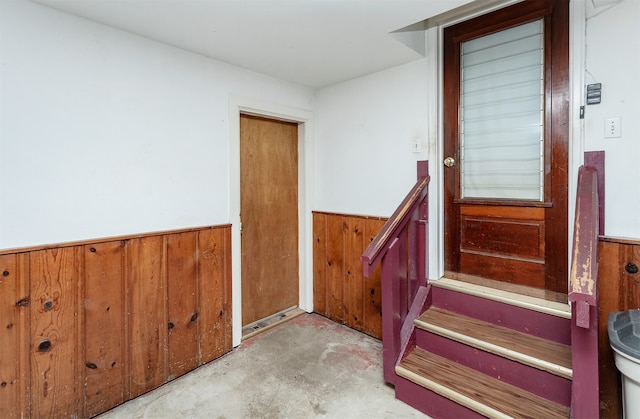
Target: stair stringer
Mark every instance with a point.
(421, 302)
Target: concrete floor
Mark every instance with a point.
(307, 367)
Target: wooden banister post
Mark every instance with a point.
(588, 224)
(391, 319)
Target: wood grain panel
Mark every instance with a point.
(183, 311)
(214, 281)
(618, 290)
(503, 211)
(104, 344)
(85, 324)
(269, 210)
(503, 243)
(557, 157)
(14, 335)
(372, 286)
(56, 379)
(354, 246)
(529, 272)
(341, 292)
(320, 264)
(335, 268)
(502, 237)
(148, 314)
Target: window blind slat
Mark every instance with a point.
(513, 62)
(502, 78)
(522, 31)
(505, 51)
(509, 92)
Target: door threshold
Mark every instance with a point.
(516, 295)
(267, 323)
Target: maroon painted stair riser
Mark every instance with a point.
(431, 403)
(528, 321)
(531, 379)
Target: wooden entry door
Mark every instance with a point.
(269, 216)
(506, 234)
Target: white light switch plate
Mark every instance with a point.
(612, 128)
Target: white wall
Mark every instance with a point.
(365, 129)
(104, 133)
(613, 59)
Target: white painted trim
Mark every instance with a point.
(306, 182)
(577, 53)
(434, 123)
(467, 12)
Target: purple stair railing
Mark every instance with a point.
(588, 225)
(401, 247)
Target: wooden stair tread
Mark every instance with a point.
(531, 350)
(475, 390)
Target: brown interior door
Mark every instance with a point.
(269, 216)
(501, 237)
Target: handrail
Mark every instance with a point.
(401, 248)
(401, 216)
(584, 267)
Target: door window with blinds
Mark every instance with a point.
(502, 115)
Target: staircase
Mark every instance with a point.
(457, 350)
(478, 353)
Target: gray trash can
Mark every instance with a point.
(624, 338)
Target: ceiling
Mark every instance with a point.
(315, 43)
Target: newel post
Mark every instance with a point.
(391, 316)
(583, 288)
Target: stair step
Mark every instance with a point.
(506, 314)
(517, 299)
(530, 350)
(474, 390)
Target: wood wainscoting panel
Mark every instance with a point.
(373, 285)
(618, 290)
(354, 293)
(341, 292)
(14, 335)
(56, 356)
(86, 326)
(214, 290)
(320, 263)
(335, 238)
(104, 361)
(184, 314)
(148, 322)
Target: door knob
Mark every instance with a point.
(449, 162)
